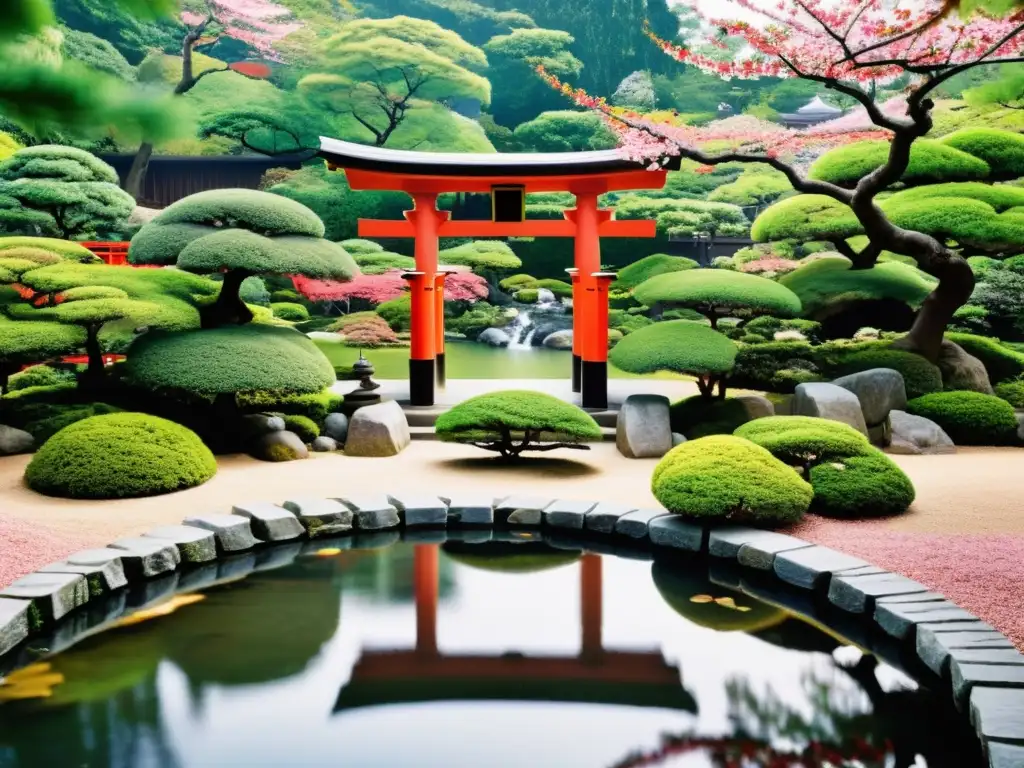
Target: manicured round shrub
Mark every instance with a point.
(717, 292)
(526, 296)
(513, 421)
(313, 405)
(930, 162)
(303, 426)
(358, 246)
(39, 376)
(969, 418)
(1012, 392)
(516, 281)
(1001, 362)
(860, 486)
(723, 478)
(59, 416)
(675, 345)
(804, 441)
(639, 271)
(397, 312)
(758, 365)
(700, 416)
(1002, 150)
(697, 600)
(121, 455)
(295, 313)
(920, 376)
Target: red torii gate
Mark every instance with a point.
(425, 175)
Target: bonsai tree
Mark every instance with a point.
(514, 421)
(240, 233)
(717, 293)
(31, 341)
(61, 192)
(680, 346)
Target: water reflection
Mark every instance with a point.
(509, 654)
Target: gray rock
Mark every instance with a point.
(147, 558)
(14, 628)
(998, 713)
(899, 619)
(102, 577)
(934, 648)
(494, 337)
(470, 509)
(857, 594)
(678, 439)
(321, 517)
(336, 427)
(324, 444)
(53, 595)
(992, 667)
(642, 429)
(280, 446)
(194, 544)
(828, 401)
(961, 370)
(1020, 427)
(916, 597)
(558, 340)
(756, 406)
(270, 522)
(635, 524)
(605, 515)
(881, 434)
(521, 510)
(378, 430)
(259, 424)
(672, 531)
(1005, 755)
(14, 441)
(917, 435)
(567, 514)
(372, 512)
(233, 533)
(727, 541)
(879, 390)
(416, 511)
(812, 567)
(760, 553)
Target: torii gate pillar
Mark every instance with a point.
(426, 286)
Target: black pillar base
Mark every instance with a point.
(577, 367)
(439, 370)
(421, 382)
(595, 385)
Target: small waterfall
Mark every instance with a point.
(521, 331)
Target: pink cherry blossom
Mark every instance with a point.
(258, 23)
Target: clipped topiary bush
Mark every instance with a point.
(122, 455)
(805, 441)
(969, 418)
(1012, 392)
(295, 313)
(639, 271)
(47, 424)
(315, 406)
(930, 162)
(869, 485)
(526, 296)
(723, 478)
(758, 366)
(513, 421)
(303, 426)
(39, 376)
(919, 375)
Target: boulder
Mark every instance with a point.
(678, 439)
(544, 328)
(757, 407)
(961, 370)
(642, 430)
(917, 435)
(494, 337)
(280, 446)
(559, 340)
(1020, 429)
(259, 424)
(324, 444)
(880, 390)
(336, 427)
(378, 430)
(828, 401)
(14, 441)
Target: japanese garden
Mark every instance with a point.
(603, 383)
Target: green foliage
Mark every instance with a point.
(397, 312)
(32, 341)
(314, 406)
(8, 145)
(1002, 150)
(516, 281)
(50, 421)
(754, 187)
(303, 426)
(699, 416)
(758, 366)
(626, 323)
(805, 217)
(1001, 362)
(295, 313)
(63, 248)
(723, 478)
(358, 247)
(1012, 392)
(482, 256)
(39, 376)
(767, 327)
(931, 162)
(919, 375)
(714, 292)
(124, 455)
(379, 262)
(969, 418)
(229, 360)
(526, 296)
(565, 131)
(516, 420)
(96, 53)
(675, 345)
(684, 217)
(634, 274)
(826, 282)
(869, 485)
(805, 441)
(477, 319)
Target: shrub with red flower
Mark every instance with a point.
(369, 333)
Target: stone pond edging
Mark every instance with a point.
(899, 619)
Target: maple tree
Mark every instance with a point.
(376, 289)
(852, 49)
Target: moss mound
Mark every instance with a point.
(674, 345)
(631, 276)
(1001, 362)
(969, 418)
(805, 440)
(303, 426)
(291, 311)
(510, 557)
(870, 485)
(121, 455)
(725, 478)
(39, 376)
(930, 163)
(1012, 392)
(721, 290)
(709, 605)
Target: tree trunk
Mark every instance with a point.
(228, 309)
(93, 377)
(6, 371)
(956, 283)
(137, 174)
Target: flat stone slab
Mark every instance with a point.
(899, 619)
(321, 517)
(14, 624)
(810, 568)
(760, 554)
(147, 558)
(564, 513)
(998, 713)
(420, 510)
(470, 509)
(522, 510)
(372, 512)
(672, 531)
(727, 541)
(52, 595)
(1005, 755)
(915, 597)
(636, 524)
(965, 676)
(269, 522)
(233, 533)
(857, 594)
(605, 515)
(103, 577)
(195, 545)
(934, 648)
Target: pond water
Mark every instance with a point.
(470, 656)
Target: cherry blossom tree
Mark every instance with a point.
(852, 49)
(376, 289)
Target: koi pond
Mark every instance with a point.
(468, 655)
